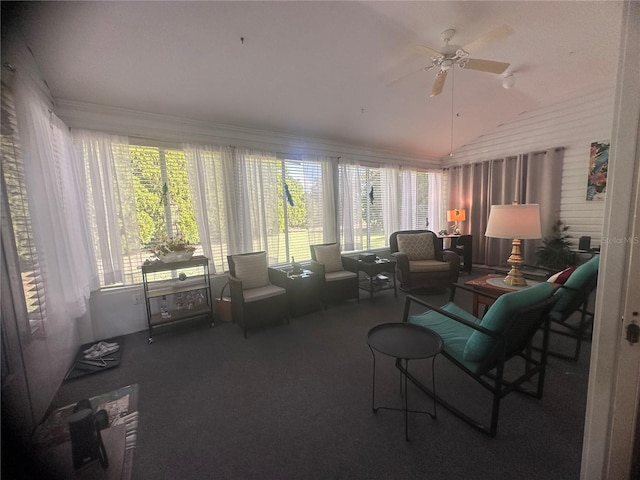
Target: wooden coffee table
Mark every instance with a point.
(492, 284)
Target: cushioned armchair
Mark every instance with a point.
(421, 261)
(339, 278)
(481, 348)
(258, 294)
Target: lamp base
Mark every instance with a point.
(515, 278)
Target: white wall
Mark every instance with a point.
(114, 311)
(573, 124)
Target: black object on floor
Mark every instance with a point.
(83, 366)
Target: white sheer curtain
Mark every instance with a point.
(436, 206)
(211, 179)
(111, 201)
(257, 180)
(55, 191)
(408, 199)
(391, 200)
(330, 212)
(330, 217)
(350, 195)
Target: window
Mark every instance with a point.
(162, 195)
(227, 199)
(13, 177)
(138, 195)
(425, 209)
(362, 196)
(221, 199)
(301, 215)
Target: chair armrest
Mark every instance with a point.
(350, 264)
(317, 268)
(235, 289)
(402, 261)
(452, 257)
(474, 326)
(277, 277)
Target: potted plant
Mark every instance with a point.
(555, 252)
(176, 249)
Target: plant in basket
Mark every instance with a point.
(176, 249)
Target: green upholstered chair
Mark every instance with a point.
(258, 294)
(482, 347)
(573, 298)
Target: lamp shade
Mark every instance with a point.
(456, 215)
(514, 221)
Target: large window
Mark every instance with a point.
(301, 214)
(228, 200)
(162, 195)
(427, 201)
(221, 199)
(363, 194)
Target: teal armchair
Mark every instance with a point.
(481, 347)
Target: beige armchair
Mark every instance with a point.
(257, 294)
(338, 274)
(421, 261)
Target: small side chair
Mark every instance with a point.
(258, 295)
(338, 274)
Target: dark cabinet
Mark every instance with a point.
(463, 246)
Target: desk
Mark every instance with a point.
(373, 270)
(405, 341)
(492, 284)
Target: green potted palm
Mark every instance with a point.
(555, 252)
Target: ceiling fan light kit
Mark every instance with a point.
(508, 81)
(451, 55)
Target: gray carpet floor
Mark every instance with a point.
(293, 401)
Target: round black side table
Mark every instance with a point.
(405, 341)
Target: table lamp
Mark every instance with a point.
(517, 222)
(456, 215)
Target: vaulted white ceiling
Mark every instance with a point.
(322, 69)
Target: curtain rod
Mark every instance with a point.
(535, 152)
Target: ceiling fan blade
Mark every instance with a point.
(489, 37)
(429, 52)
(438, 83)
(485, 65)
(407, 75)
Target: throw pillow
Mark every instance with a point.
(329, 256)
(252, 269)
(562, 276)
(417, 246)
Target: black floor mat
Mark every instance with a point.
(82, 366)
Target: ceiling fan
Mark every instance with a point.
(451, 55)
